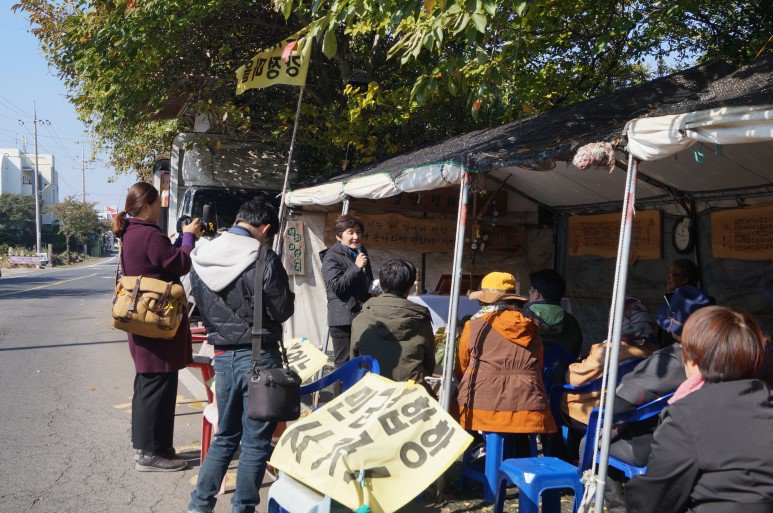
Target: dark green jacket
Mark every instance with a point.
(557, 326)
(398, 333)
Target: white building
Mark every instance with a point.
(16, 177)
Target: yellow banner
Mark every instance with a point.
(304, 358)
(270, 67)
(743, 233)
(395, 434)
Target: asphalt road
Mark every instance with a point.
(65, 392)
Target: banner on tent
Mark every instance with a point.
(599, 235)
(743, 233)
(270, 67)
(425, 235)
(304, 358)
(394, 434)
(444, 200)
(295, 248)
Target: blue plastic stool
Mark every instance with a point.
(496, 446)
(533, 476)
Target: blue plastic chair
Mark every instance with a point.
(348, 374)
(498, 447)
(558, 391)
(553, 356)
(643, 412)
(533, 476)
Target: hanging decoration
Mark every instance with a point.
(597, 154)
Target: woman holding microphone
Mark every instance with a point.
(348, 277)
(147, 251)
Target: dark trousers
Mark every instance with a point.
(155, 396)
(341, 336)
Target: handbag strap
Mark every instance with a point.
(257, 310)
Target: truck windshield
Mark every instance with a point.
(225, 203)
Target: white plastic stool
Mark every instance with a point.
(291, 496)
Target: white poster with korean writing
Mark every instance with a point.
(304, 358)
(295, 248)
(393, 434)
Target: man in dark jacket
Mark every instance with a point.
(556, 325)
(223, 282)
(395, 331)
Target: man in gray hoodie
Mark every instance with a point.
(223, 283)
(395, 331)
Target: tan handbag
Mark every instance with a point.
(146, 306)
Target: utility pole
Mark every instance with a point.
(83, 173)
(37, 185)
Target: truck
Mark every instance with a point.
(220, 171)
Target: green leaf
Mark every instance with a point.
(287, 9)
(453, 87)
(520, 8)
(329, 44)
(479, 20)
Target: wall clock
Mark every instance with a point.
(683, 235)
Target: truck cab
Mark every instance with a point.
(218, 170)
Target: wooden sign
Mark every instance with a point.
(445, 200)
(743, 233)
(599, 235)
(295, 248)
(425, 235)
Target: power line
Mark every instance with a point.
(15, 107)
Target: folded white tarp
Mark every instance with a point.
(379, 185)
(659, 137)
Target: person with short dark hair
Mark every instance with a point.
(348, 277)
(394, 330)
(682, 271)
(713, 450)
(223, 282)
(556, 325)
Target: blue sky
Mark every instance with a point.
(26, 77)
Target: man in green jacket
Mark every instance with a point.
(395, 331)
(556, 325)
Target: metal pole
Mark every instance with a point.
(37, 185)
(83, 173)
(282, 207)
(456, 282)
(345, 206)
(618, 295)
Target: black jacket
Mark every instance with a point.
(227, 314)
(712, 453)
(347, 286)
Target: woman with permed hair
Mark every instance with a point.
(348, 277)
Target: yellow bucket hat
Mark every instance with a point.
(495, 287)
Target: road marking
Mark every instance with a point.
(47, 285)
(194, 385)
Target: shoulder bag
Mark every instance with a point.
(274, 394)
(146, 306)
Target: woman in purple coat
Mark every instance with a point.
(147, 251)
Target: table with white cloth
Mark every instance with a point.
(438, 307)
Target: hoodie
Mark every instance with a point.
(223, 284)
(556, 326)
(398, 333)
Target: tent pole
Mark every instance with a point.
(456, 282)
(282, 206)
(326, 341)
(453, 309)
(618, 297)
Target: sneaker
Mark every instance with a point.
(158, 463)
(170, 454)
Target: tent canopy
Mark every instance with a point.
(711, 104)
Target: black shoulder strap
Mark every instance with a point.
(257, 302)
